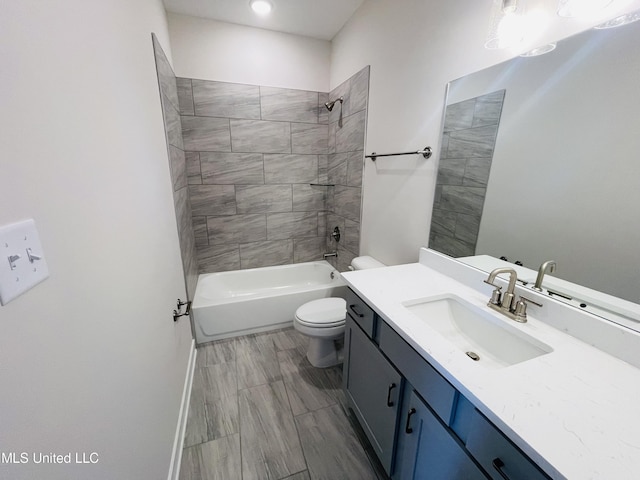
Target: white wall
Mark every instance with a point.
(90, 360)
(414, 48)
(225, 52)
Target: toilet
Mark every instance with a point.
(323, 322)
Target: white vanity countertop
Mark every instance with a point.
(574, 411)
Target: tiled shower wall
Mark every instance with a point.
(253, 155)
(347, 125)
(173, 130)
(468, 141)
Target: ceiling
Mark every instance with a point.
(321, 19)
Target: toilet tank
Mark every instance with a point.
(365, 262)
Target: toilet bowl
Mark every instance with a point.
(323, 322)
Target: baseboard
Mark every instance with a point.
(178, 441)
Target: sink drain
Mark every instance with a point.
(473, 356)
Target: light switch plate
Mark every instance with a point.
(22, 262)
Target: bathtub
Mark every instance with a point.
(229, 304)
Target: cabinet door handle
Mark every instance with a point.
(389, 401)
(498, 464)
(407, 428)
(353, 309)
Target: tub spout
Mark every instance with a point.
(332, 254)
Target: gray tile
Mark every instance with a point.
(219, 380)
(178, 168)
(359, 93)
(308, 388)
(281, 226)
(330, 446)
(166, 77)
(237, 228)
(288, 338)
(467, 227)
(266, 254)
(322, 224)
(212, 199)
(443, 222)
(342, 90)
(323, 113)
(323, 167)
(308, 138)
(193, 168)
(215, 460)
(347, 202)
(260, 136)
(331, 144)
(186, 237)
(477, 171)
(290, 168)
(221, 99)
(299, 476)
(345, 257)
(308, 198)
(451, 171)
(355, 167)
(185, 96)
(196, 429)
(218, 258)
(206, 134)
(351, 236)
(200, 230)
(222, 417)
(467, 200)
(289, 105)
(270, 447)
(232, 168)
(459, 115)
(444, 148)
(222, 351)
(256, 361)
(337, 168)
(472, 142)
(350, 137)
(451, 246)
(264, 198)
(173, 126)
(488, 109)
(308, 249)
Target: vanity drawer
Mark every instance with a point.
(361, 313)
(496, 454)
(438, 393)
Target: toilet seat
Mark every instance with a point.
(323, 313)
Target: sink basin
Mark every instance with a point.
(484, 338)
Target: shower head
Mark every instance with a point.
(330, 104)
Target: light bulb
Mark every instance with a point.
(261, 7)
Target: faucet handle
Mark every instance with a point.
(496, 295)
(520, 311)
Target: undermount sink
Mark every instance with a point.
(484, 338)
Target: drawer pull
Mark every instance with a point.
(498, 464)
(389, 401)
(353, 309)
(407, 428)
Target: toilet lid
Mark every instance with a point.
(325, 312)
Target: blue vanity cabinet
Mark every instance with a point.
(426, 449)
(372, 386)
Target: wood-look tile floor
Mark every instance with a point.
(259, 410)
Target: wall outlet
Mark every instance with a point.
(22, 262)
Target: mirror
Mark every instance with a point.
(559, 173)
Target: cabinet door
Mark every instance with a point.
(427, 450)
(373, 387)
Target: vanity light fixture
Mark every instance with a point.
(506, 28)
(620, 21)
(261, 7)
(580, 8)
(549, 47)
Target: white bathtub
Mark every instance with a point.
(235, 303)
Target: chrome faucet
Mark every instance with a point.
(548, 266)
(504, 303)
(327, 255)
